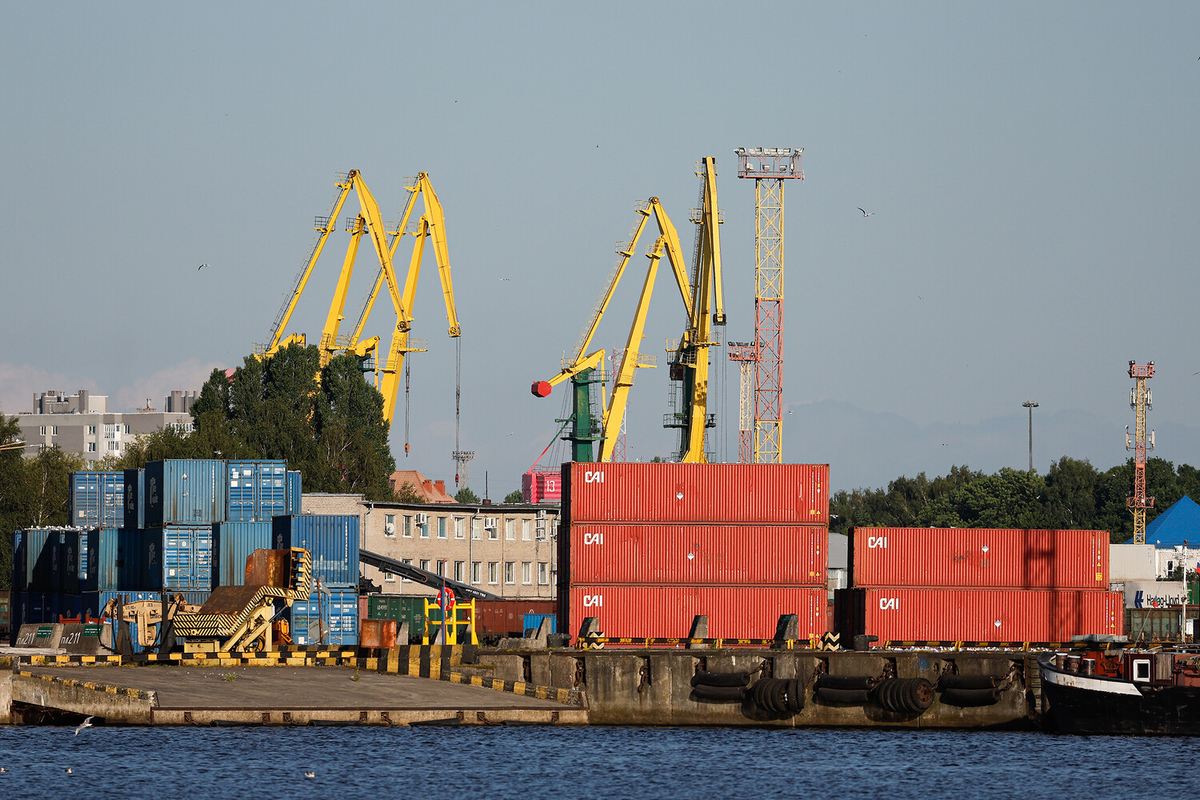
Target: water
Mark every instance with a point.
(530, 763)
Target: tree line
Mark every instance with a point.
(1072, 494)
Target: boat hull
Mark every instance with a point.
(1094, 705)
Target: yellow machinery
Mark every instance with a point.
(242, 618)
(702, 296)
(460, 614)
(370, 222)
(147, 615)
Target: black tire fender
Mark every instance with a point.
(702, 678)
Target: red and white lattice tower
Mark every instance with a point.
(1140, 399)
(769, 167)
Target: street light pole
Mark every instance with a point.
(1031, 406)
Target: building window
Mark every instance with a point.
(510, 572)
(43, 430)
(476, 528)
(425, 564)
(543, 573)
(441, 565)
(114, 445)
(493, 572)
(424, 526)
(408, 562)
(91, 430)
(458, 570)
(388, 577)
(389, 525)
(127, 429)
(91, 447)
(475, 571)
(441, 527)
(460, 529)
(510, 529)
(526, 572)
(110, 430)
(493, 532)
(526, 531)
(54, 430)
(408, 526)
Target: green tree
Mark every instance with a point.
(465, 495)
(47, 484)
(1070, 498)
(14, 513)
(514, 496)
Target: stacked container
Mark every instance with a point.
(135, 499)
(977, 584)
(97, 499)
(257, 490)
(332, 541)
(647, 547)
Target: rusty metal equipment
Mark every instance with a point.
(147, 615)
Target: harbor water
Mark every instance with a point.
(526, 763)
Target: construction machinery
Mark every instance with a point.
(689, 357)
(146, 618)
(369, 222)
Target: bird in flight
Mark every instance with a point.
(865, 214)
(202, 266)
(87, 723)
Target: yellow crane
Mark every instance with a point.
(370, 222)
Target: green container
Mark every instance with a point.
(1193, 593)
(402, 608)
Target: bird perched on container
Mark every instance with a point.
(87, 723)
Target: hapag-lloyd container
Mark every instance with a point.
(978, 615)
(734, 612)
(784, 494)
(257, 490)
(232, 543)
(979, 558)
(97, 499)
(331, 540)
(787, 555)
(135, 500)
(185, 492)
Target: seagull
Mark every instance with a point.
(504, 279)
(87, 723)
(865, 214)
(3, 769)
(202, 266)
(69, 770)
(313, 774)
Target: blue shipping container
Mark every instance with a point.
(293, 493)
(232, 542)
(18, 562)
(534, 621)
(115, 560)
(331, 618)
(97, 499)
(178, 557)
(185, 491)
(135, 500)
(68, 561)
(331, 539)
(39, 560)
(257, 490)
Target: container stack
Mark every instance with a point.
(97, 499)
(977, 584)
(647, 547)
(330, 615)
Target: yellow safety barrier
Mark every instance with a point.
(461, 614)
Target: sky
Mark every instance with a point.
(1030, 171)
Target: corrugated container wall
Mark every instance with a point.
(507, 617)
(185, 492)
(331, 539)
(232, 542)
(791, 555)
(979, 558)
(135, 500)
(734, 612)
(331, 618)
(257, 490)
(980, 615)
(68, 560)
(115, 558)
(402, 608)
(97, 499)
(786, 494)
(294, 492)
(178, 557)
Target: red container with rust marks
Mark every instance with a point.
(787, 555)
(734, 612)
(507, 617)
(977, 615)
(379, 633)
(781, 494)
(979, 558)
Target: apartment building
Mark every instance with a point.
(81, 423)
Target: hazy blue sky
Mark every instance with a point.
(1031, 168)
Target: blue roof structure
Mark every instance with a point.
(1180, 521)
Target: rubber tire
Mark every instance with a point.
(844, 697)
(919, 694)
(854, 682)
(795, 696)
(971, 697)
(779, 696)
(967, 682)
(706, 692)
(720, 678)
(885, 695)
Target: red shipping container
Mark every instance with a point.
(377, 633)
(984, 615)
(979, 558)
(507, 617)
(541, 486)
(734, 612)
(786, 494)
(792, 555)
